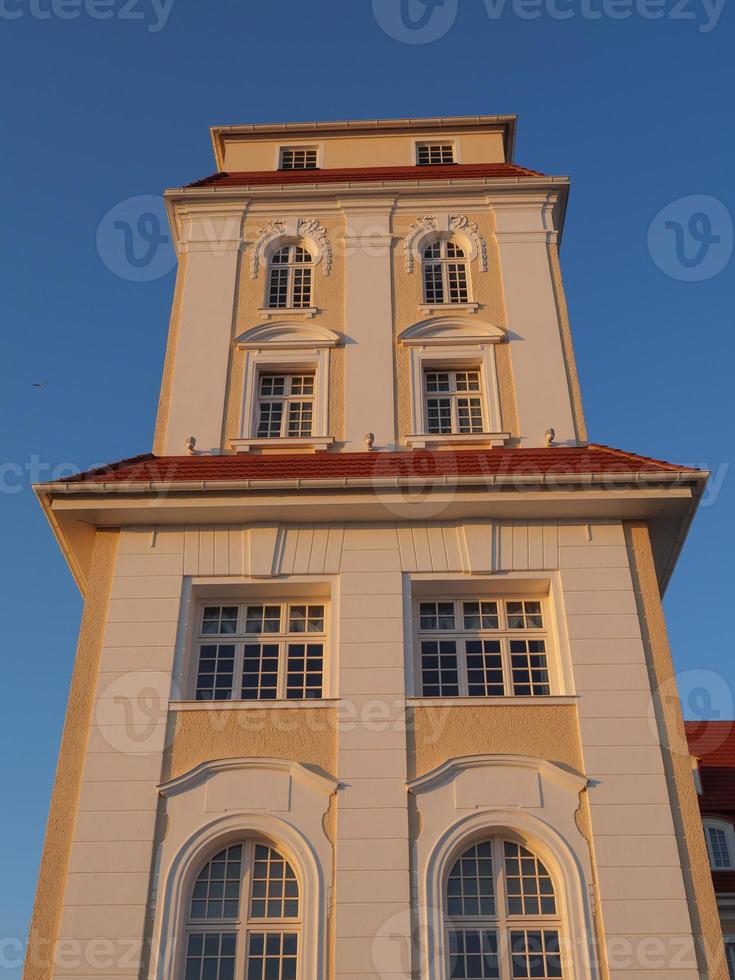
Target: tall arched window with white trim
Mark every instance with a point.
(446, 273)
(290, 279)
(243, 918)
(501, 914)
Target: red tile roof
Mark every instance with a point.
(713, 743)
(343, 175)
(492, 463)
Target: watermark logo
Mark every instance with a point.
(704, 695)
(132, 712)
(691, 238)
(133, 239)
(154, 13)
(415, 21)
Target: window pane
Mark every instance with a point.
(457, 282)
(438, 416)
(470, 883)
(524, 615)
(469, 415)
(481, 615)
(219, 619)
(275, 891)
(298, 158)
(269, 420)
(263, 619)
(211, 956)
(468, 380)
(473, 954)
(272, 385)
(300, 417)
(215, 673)
(306, 619)
(719, 851)
(209, 898)
(301, 287)
(304, 670)
(278, 288)
(437, 381)
(484, 668)
(272, 956)
(528, 883)
(433, 154)
(535, 953)
(260, 672)
(433, 285)
(439, 673)
(436, 615)
(529, 668)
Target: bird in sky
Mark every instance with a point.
(40, 384)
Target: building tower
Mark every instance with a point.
(373, 678)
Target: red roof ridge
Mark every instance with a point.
(334, 174)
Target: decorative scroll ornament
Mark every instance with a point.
(453, 223)
(462, 223)
(303, 227)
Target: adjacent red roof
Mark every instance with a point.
(578, 460)
(713, 743)
(343, 175)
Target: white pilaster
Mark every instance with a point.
(524, 230)
(368, 324)
(210, 235)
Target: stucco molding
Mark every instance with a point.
(428, 228)
(284, 231)
(451, 330)
(287, 335)
(201, 773)
(450, 769)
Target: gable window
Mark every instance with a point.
(501, 915)
(299, 158)
(434, 154)
(720, 838)
(453, 402)
(285, 406)
(289, 283)
(446, 278)
(261, 652)
(244, 916)
(482, 648)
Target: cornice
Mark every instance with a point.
(201, 773)
(453, 767)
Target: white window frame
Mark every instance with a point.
(503, 634)
(300, 145)
(502, 923)
(244, 925)
(729, 831)
(291, 267)
(423, 141)
(433, 355)
(454, 395)
(287, 399)
(283, 638)
(444, 261)
(313, 359)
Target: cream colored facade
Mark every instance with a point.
(374, 788)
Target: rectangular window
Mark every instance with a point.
(272, 956)
(268, 652)
(453, 402)
(535, 953)
(211, 956)
(434, 154)
(482, 648)
(473, 954)
(285, 406)
(299, 158)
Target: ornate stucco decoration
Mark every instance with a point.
(281, 231)
(460, 225)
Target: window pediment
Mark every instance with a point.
(287, 336)
(452, 331)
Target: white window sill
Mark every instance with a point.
(291, 311)
(509, 701)
(317, 443)
(430, 308)
(259, 705)
(416, 441)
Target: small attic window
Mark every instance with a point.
(434, 154)
(299, 158)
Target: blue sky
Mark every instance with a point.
(96, 111)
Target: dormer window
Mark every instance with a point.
(289, 284)
(285, 406)
(299, 158)
(446, 278)
(720, 838)
(434, 154)
(453, 402)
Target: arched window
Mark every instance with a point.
(244, 916)
(289, 285)
(446, 278)
(720, 837)
(501, 914)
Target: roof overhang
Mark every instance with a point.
(253, 131)
(666, 501)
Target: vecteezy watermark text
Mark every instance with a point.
(154, 13)
(424, 21)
